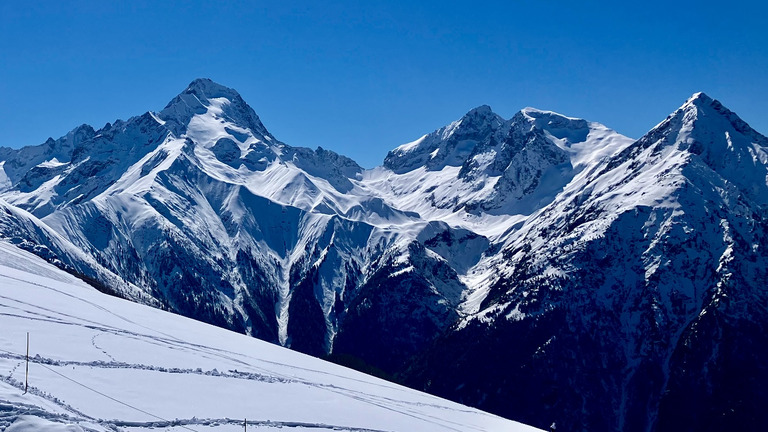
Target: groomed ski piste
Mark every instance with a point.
(99, 363)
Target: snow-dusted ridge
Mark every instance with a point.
(508, 244)
(634, 275)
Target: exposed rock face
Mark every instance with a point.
(635, 299)
(545, 268)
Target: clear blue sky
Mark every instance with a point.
(361, 77)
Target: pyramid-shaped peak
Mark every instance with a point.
(482, 110)
(708, 136)
(206, 88)
(199, 96)
(479, 117)
(704, 127)
(203, 82)
(704, 110)
(199, 93)
(700, 101)
(699, 98)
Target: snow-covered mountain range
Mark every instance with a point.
(540, 267)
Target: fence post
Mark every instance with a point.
(26, 374)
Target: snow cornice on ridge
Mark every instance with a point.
(533, 113)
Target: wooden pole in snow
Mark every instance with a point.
(245, 425)
(26, 375)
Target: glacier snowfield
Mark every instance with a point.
(99, 363)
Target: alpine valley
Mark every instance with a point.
(544, 268)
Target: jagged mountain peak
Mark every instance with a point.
(701, 125)
(84, 131)
(480, 112)
(699, 98)
(206, 88)
(447, 146)
(201, 95)
(705, 127)
(473, 125)
(713, 107)
(700, 106)
(717, 138)
(550, 120)
(547, 228)
(480, 130)
(53, 152)
(701, 144)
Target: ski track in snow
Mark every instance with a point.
(9, 412)
(379, 401)
(93, 342)
(92, 304)
(111, 352)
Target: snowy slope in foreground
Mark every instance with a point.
(101, 363)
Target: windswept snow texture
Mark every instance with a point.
(99, 363)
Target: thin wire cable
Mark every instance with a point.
(103, 394)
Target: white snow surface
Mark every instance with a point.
(466, 187)
(206, 174)
(204, 178)
(99, 363)
(701, 144)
